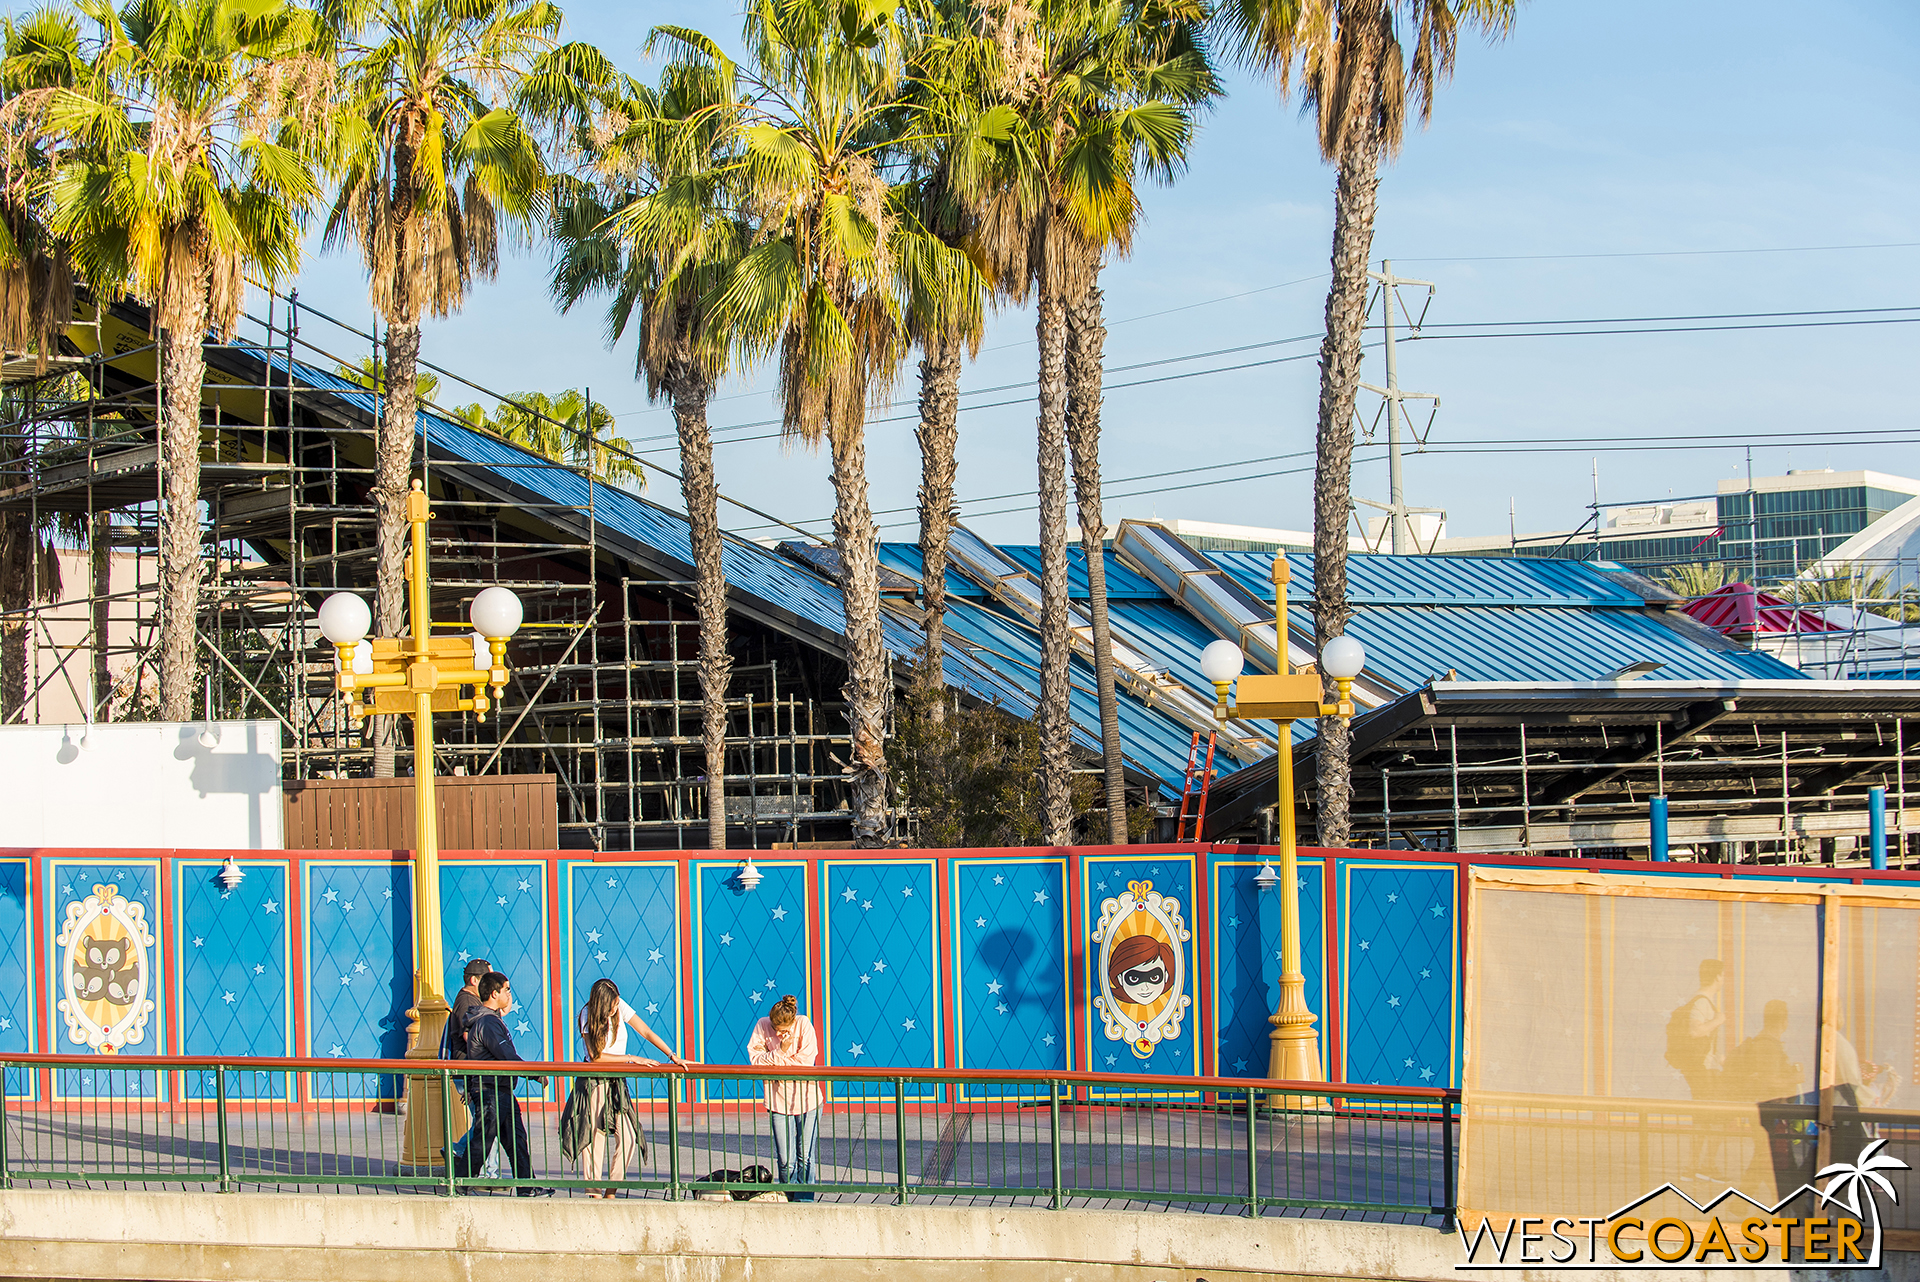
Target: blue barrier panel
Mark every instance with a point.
(1400, 996)
(1246, 961)
(1142, 1009)
(623, 923)
(16, 977)
(498, 910)
(750, 949)
(1011, 988)
(232, 980)
(359, 950)
(103, 967)
(879, 961)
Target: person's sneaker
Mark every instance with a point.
(533, 1192)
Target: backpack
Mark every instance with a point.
(453, 1037)
(1685, 1051)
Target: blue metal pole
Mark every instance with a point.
(1877, 821)
(1657, 813)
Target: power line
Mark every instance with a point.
(1662, 253)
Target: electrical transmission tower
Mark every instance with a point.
(1393, 405)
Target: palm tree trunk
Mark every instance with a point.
(1086, 347)
(939, 436)
(183, 369)
(700, 491)
(1056, 654)
(1333, 470)
(398, 418)
(16, 593)
(869, 684)
(101, 551)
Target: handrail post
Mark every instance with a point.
(6, 1160)
(220, 1123)
(1053, 1118)
(1253, 1155)
(1446, 1156)
(446, 1126)
(900, 1135)
(673, 1137)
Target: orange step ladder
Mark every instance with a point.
(1188, 798)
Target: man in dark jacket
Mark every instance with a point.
(497, 1119)
(453, 1045)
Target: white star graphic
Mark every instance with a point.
(1276, 956)
(523, 1027)
(1233, 922)
(999, 880)
(1409, 1063)
(866, 979)
(593, 937)
(1048, 1039)
(754, 997)
(1393, 1001)
(857, 1050)
(5, 1024)
(879, 965)
(653, 1008)
(347, 907)
(906, 892)
(388, 892)
(1109, 1061)
(611, 883)
(501, 900)
(359, 968)
(1002, 1008)
(1426, 1075)
(599, 956)
(227, 998)
(993, 985)
(979, 921)
(331, 896)
(226, 894)
(867, 904)
(1039, 896)
(653, 955)
(525, 887)
(1393, 899)
(345, 980)
(259, 969)
(848, 894)
(1099, 885)
(1366, 945)
(338, 1051)
(1438, 911)
(271, 906)
(1426, 974)
(726, 939)
(907, 1024)
(198, 942)
(464, 955)
(779, 912)
(768, 985)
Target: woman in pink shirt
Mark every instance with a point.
(785, 1036)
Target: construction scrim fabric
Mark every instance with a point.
(1625, 1033)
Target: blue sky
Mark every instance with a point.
(1632, 128)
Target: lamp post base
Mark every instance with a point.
(1293, 1053)
(423, 1140)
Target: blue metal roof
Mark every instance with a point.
(1123, 583)
(905, 558)
(1500, 619)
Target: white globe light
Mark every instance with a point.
(1343, 658)
(495, 613)
(344, 618)
(1221, 662)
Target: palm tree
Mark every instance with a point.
(1098, 93)
(188, 160)
(370, 372)
(656, 232)
(439, 156)
(1698, 579)
(812, 118)
(567, 429)
(1348, 59)
(1847, 1181)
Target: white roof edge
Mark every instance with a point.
(1857, 546)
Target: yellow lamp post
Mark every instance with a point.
(416, 676)
(1286, 697)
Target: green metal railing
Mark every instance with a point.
(1225, 1145)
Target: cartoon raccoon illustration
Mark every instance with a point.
(106, 971)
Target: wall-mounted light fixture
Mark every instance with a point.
(208, 739)
(229, 875)
(749, 877)
(1266, 879)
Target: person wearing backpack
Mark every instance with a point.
(453, 1045)
(1692, 1030)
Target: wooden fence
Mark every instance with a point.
(477, 812)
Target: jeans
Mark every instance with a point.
(497, 1120)
(491, 1170)
(796, 1142)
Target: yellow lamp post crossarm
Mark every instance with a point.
(416, 676)
(1286, 696)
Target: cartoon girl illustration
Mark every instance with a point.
(1140, 969)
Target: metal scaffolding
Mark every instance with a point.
(605, 694)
